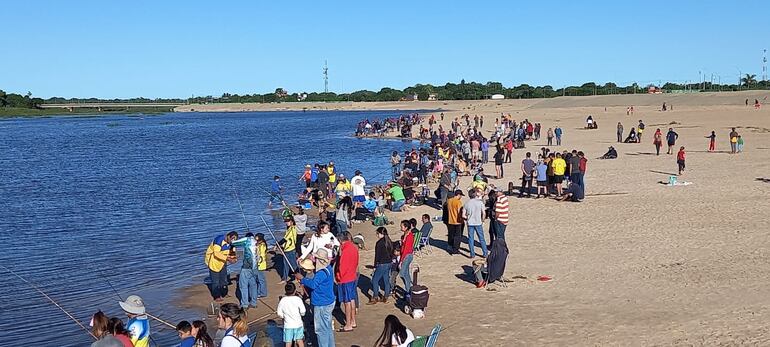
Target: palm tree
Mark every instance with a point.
(749, 79)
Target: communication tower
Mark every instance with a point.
(326, 77)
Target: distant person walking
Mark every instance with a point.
(671, 137)
(657, 140)
(549, 137)
(620, 132)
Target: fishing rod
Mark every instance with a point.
(276, 243)
(106, 279)
(237, 197)
(51, 300)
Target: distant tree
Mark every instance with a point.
(749, 79)
(3, 102)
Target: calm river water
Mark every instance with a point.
(137, 199)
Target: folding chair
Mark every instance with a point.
(424, 245)
(428, 341)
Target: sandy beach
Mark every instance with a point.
(636, 263)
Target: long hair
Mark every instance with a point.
(392, 327)
(237, 315)
(346, 203)
(388, 242)
(202, 334)
(116, 327)
(99, 328)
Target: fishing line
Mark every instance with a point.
(51, 300)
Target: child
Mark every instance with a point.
(394, 266)
(712, 141)
(184, 330)
(740, 144)
(291, 309)
(261, 265)
(680, 160)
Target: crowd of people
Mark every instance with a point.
(402, 125)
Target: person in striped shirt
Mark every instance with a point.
(501, 214)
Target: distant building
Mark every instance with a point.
(302, 97)
(410, 98)
(497, 97)
(432, 97)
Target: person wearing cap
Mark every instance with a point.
(307, 177)
(359, 192)
(217, 256)
(332, 175)
(288, 245)
(321, 297)
(343, 186)
(455, 222)
(138, 324)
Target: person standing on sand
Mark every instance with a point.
(657, 140)
(680, 160)
(405, 256)
(247, 279)
(359, 192)
(501, 214)
(485, 151)
(620, 132)
(671, 137)
(322, 298)
(740, 144)
(383, 257)
(527, 167)
(733, 141)
(712, 141)
(454, 222)
(583, 166)
(499, 160)
(559, 168)
(218, 254)
(347, 279)
(639, 131)
(288, 246)
(549, 137)
(291, 309)
(558, 132)
(508, 150)
(542, 178)
(474, 216)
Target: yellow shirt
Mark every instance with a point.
(291, 239)
(559, 166)
(453, 206)
(332, 174)
(262, 256)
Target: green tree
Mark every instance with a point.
(749, 79)
(3, 102)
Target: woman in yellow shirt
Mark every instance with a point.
(289, 249)
(559, 167)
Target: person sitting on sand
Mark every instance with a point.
(631, 137)
(611, 154)
(574, 193)
(394, 334)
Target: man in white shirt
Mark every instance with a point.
(359, 193)
(474, 216)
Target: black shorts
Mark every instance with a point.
(558, 178)
(542, 183)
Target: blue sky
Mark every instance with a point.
(180, 48)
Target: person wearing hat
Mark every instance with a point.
(321, 297)
(455, 222)
(307, 177)
(138, 324)
(359, 192)
(343, 186)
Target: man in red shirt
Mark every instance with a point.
(406, 254)
(347, 274)
(583, 165)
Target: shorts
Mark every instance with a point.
(542, 183)
(681, 164)
(293, 334)
(347, 291)
(359, 198)
(558, 178)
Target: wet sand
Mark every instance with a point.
(636, 263)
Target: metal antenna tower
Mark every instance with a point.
(326, 77)
(764, 65)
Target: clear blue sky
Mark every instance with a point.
(179, 48)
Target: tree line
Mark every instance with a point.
(449, 91)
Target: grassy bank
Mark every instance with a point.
(9, 112)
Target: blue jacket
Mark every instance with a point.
(322, 286)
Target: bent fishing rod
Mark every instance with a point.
(276, 243)
(51, 300)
